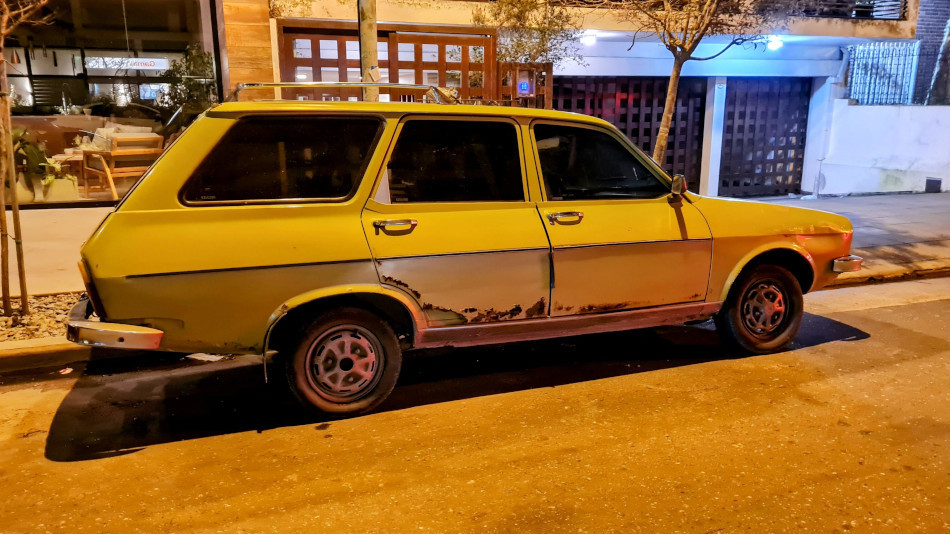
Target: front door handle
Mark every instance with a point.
(411, 223)
(556, 217)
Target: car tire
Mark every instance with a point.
(763, 311)
(345, 361)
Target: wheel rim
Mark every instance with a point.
(345, 363)
(764, 309)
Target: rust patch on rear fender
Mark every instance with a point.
(399, 283)
(429, 307)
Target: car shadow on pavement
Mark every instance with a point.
(122, 405)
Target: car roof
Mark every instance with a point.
(254, 107)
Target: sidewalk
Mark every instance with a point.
(51, 241)
(899, 236)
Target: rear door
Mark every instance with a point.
(618, 241)
(450, 223)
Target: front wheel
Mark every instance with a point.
(346, 361)
(763, 311)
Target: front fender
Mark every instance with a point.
(796, 247)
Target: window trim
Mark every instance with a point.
(647, 161)
(384, 168)
(374, 147)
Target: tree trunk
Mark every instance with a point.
(6, 150)
(659, 150)
(15, 212)
(939, 93)
(369, 64)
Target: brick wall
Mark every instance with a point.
(931, 29)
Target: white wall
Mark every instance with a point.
(615, 57)
(874, 149)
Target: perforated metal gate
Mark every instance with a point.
(764, 136)
(635, 106)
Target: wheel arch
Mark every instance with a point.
(394, 307)
(796, 259)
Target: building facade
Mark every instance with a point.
(756, 121)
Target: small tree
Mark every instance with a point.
(531, 31)
(12, 14)
(682, 24)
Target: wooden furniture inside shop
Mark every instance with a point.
(128, 157)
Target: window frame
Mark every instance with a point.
(520, 141)
(374, 147)
(639, 155)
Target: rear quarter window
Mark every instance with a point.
(285, 158)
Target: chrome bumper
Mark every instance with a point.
(847, 264)
(98, 334)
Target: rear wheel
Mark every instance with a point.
(763, 311)
(345, 361)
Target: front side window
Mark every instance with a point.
(272, 158)
(581, 164)
(456, 161)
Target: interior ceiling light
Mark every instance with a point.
(775, 42)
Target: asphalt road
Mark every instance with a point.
(652, 431)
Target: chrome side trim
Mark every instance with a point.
(574, 325)
(251, 268)
(465, 253)
(847, 264)
(98, 334)
(628, 243)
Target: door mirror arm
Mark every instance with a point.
(678, 187)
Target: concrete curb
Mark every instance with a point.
(39, 353)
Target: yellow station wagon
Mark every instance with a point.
(333, 236)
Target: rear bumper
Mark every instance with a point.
(847, 264)
(99, 334)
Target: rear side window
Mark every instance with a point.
(456, 161)
(273, 158)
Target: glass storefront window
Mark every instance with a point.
(94, 83)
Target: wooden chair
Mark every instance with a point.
(130, 155)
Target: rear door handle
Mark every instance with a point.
(411, 223)
(556, 217)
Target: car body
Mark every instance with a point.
(453, 225)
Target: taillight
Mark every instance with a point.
(91, 290)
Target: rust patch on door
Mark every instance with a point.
(539, 308)
(492, 316)
(596, 308)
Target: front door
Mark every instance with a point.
(618, 241)
(450, 224)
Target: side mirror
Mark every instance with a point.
(679, 185)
